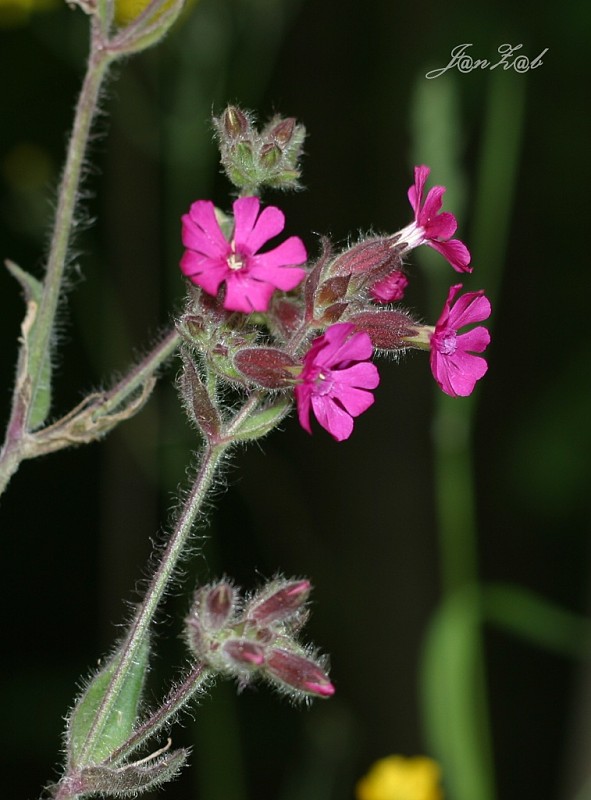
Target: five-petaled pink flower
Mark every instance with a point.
(250, 277)
(335, 380)
(454, 368)
(433, 226)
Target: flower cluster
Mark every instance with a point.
(256, 636)
(312, 331)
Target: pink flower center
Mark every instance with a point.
(323, 383)
(447, 343)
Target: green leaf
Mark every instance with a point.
(38, 398)
(452, 682)
(262, 422)
(538, 620)
(120, 723)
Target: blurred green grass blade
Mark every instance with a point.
(496, 180)
(540, 621)
(452, 691)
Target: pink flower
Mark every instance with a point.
(454, 368)
(433, 226)
(250, 277)
(335, 380)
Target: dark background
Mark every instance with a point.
(358, 518)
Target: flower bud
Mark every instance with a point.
(219, 605)
(234, 122)
(244, 653)
(278, 602)
(293, 671)
(371, 259)
(266, 366)
(213, 610)
(270, 155)
(282, 132)
(387, 329)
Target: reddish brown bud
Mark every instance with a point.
(286, 600)
(386, 329)
(298, 672)
(197, 400)
(283, 131)
(332, 290)
(219, 605)
(287, 315)
(267, 366)
(234, 122)
(374, 258)
(244, 653)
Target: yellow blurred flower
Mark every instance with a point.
(16, 12)
(127, 10)
(401, 778)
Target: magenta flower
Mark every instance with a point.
(454, 368)
(335, 380)
(433, 226)
(250, 277)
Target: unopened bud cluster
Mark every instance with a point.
(253, 159)
(248, 638)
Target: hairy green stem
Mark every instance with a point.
(142, 372)
(98, 64)
(40, 341)
(177, 698)
(212, 456)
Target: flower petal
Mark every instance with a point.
(415, 193)
(471, 307)
(303, 394)
(247, 295)
(455, 252)
(270, 222)
(203, 271)
(431, 206)
(245, 210)
(443, 226)
(201, 230)
(363, 375)
(474, 341)
(332, 417)
(355, 401)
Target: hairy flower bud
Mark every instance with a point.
(254, 159)
(278, 602)
(244, 653)
(282, 132)
(387, 329)
(234, 122)
(266, 366)
(257, 638)
(296, 672)
(368, 261)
